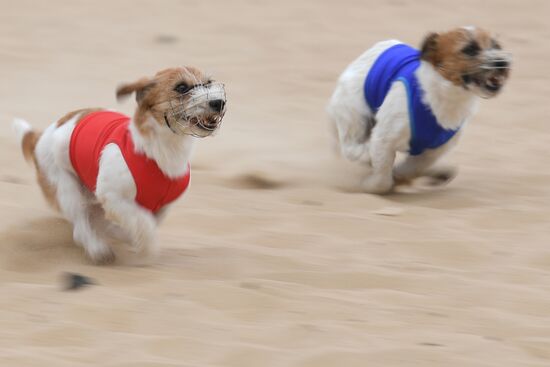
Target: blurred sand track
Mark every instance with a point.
(272, 258)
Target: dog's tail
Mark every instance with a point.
(27, 137)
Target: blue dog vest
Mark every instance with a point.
(398, 63)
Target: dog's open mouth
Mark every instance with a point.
(204, 126)
(489, 77)
(209, 123)
(488, 82)
(492, 84)
(198, 126)
(200, 114)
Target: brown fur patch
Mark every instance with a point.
(49, 191)
(444, 51)
(153, 91)
(70, 115)
(138, 87)
(28, 146)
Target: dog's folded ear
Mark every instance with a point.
(428, 50)
(140, 87)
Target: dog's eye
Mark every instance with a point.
(472, 49)
(182, 88)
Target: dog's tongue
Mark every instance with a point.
(493, 81)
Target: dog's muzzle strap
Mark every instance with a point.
(168, 124)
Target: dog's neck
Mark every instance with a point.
(451, 105)
(171, 152)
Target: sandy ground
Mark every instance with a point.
(271, 258)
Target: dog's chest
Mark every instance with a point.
(90, 137)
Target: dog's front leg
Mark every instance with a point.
(116, 191)
(161, 214)
(389, 134)
(138, 223)
(420, 165)
(380, 179)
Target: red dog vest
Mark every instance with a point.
(153, 189)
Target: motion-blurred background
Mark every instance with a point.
(272, 258)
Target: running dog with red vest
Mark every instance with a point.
(112, 175)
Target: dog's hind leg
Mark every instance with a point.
(74, 204)
(351, 131)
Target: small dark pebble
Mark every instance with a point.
(251, 285)
(12, 179)
(437, 314)
(495, 338)
(76, 281)
(428, 344)
(312, 202)
(166, 39)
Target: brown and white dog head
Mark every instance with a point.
(468, 57)
(184, 100)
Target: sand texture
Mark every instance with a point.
(272, 258)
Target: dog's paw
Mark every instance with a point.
(400, 180)
(101, 256)
(144, 235)
(376, 184)
(440, 176)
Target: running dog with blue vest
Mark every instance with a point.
(395, 98)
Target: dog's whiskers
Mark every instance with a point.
(491, 67)
(475, 70)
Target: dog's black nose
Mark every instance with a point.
(217, 104)
(501, 64)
